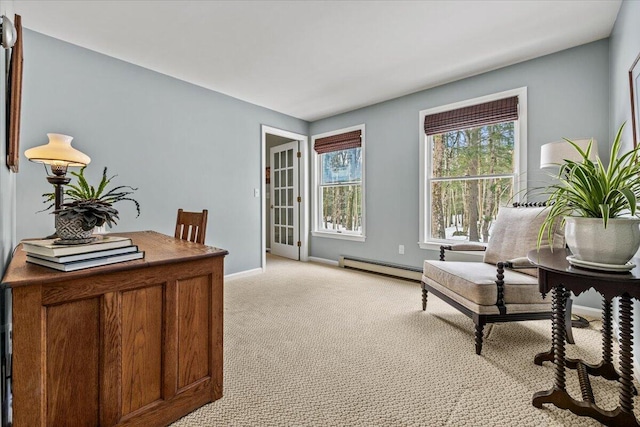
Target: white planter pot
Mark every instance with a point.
(590, 241)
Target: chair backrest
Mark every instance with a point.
(191, 226)
(515, 233)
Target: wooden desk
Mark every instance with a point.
(135, 343)
(557, 275)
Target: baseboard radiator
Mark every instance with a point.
(381, 267)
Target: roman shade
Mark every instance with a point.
(338, 142)
(488, 113)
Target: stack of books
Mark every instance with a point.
(104, 250)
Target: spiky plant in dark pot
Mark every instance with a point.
(86, 206)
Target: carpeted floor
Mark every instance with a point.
(313, 345)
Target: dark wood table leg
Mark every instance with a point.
(547, 356)
(605, 368)
(558, 394)
(626, 355)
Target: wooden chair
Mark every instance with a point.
(493, 291)
(191, 226)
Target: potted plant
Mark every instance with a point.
(87, 207)
(598, 206)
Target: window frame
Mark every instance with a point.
(316, 192)
(520, 158)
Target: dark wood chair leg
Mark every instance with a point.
(479, 335)
(424, 299)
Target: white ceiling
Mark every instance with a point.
(314, 59)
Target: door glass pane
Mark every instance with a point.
(290, 197)
(276, 216)
(290, 216)
(290, 177)
(283, 235)
(283, 215)
(276, 161)
(283, 177)
(276, 237)
(276, 199)
(290, 236)
(276, 181)
(283, 197)
(283, 159)
(290, 158)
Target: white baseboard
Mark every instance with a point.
(245, 273)
(323, 261)
(587, 311)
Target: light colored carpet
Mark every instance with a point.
(313, 345)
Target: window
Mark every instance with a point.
(472, 162)
(338, 171)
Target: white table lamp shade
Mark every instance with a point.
(555, 153)
(58, 151)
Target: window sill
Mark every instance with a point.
(339, 236)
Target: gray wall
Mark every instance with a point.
(567, 96)
(183, 146)
(624, 47)
(7, 178)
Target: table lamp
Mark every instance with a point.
(555, 153)
(59, 155)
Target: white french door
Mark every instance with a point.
(284, 201)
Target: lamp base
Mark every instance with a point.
(579, 321)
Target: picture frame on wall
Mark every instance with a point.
(268, 175)
(634, 83)
(14, 99)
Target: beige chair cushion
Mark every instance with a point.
(476, 281)
(515, 233)
(488, 309)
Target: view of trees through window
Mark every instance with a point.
(341, 190)
(472, 174)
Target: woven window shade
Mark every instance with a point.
(489, 113)
(342, 141)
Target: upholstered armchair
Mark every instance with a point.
(502, 288)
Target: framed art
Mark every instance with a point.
(634, 82)
(14, 99)
(268, 175)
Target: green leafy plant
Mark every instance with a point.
(587, 189)
(94, 205)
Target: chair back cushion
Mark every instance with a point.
(515, 233)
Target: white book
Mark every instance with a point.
(49, 248)
(80, 265)
(88, 255)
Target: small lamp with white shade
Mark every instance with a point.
(59, 155)
(555, 153)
